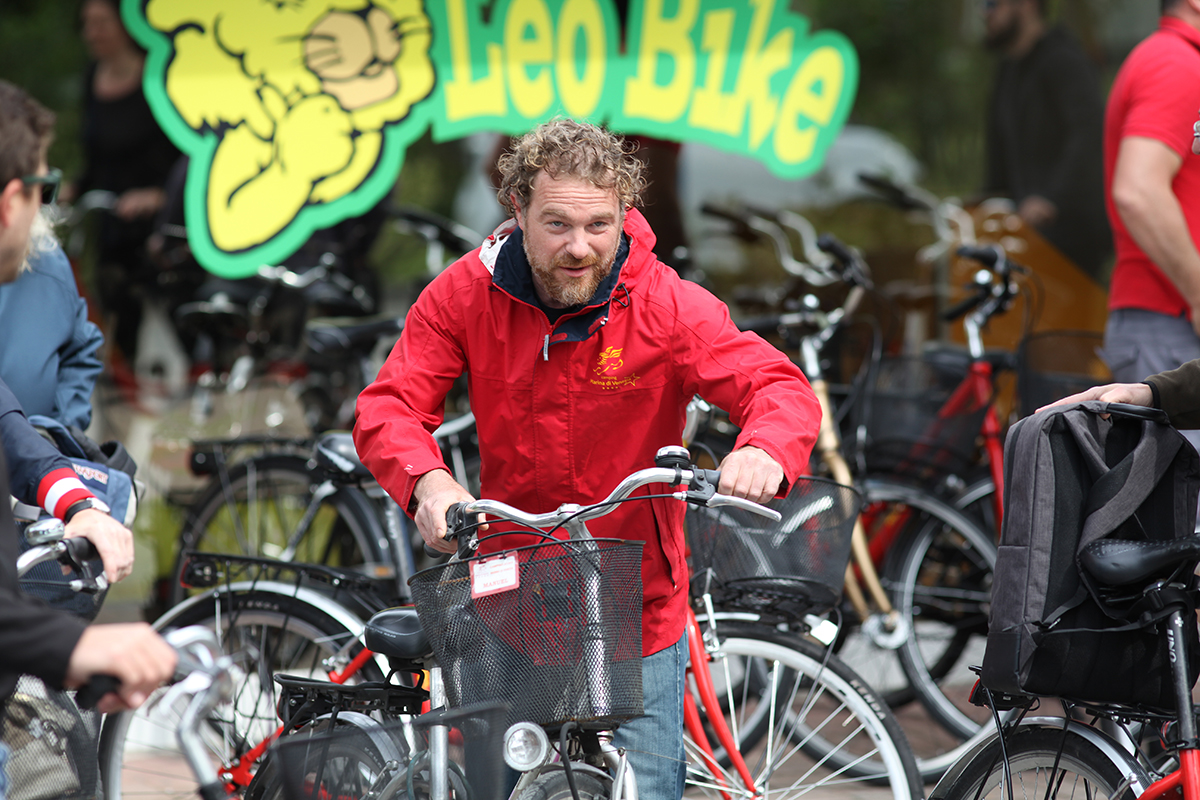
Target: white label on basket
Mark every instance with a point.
(494, 575)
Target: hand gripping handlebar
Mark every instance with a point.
(697, 486)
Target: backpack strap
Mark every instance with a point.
(1121, 490)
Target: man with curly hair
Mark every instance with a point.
(582, 351)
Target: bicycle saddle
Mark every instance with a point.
(335, 452)
(397, 633)
(1119, 562)
(336, 334)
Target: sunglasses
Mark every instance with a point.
(49, 184)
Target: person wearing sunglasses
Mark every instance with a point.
(35, 639)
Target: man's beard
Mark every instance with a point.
(572, 292)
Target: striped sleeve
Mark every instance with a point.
(59, 490)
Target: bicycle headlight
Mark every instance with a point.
(526, 746)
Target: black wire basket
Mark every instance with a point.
(791, 567)
(1054, 364)
(908, 424)
(563, 644)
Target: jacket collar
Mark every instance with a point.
(503, 254)
(1176, 25)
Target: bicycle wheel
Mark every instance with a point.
(941, 581)
(326, 761)
(803, 720)
(553, 785)
(1081, 769)
(268, 634)
(258, 505)
(937, 573)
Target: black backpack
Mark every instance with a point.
(1072, 478)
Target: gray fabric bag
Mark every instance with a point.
(1072, 478)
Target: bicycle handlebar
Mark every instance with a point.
(701, 489)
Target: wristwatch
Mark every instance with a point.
(85, 503)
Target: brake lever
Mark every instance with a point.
(703, 490)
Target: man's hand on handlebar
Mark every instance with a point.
(750, 473)
(435, 492)
(133, 653)
(113, 541)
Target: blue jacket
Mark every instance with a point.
(48, 349)
(38, 474)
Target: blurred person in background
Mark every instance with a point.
(1153, 183)
(124, 152)
(1044, 125)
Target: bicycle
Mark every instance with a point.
(311, 502)
(305, 621)
(917, 624)
(1051, 755)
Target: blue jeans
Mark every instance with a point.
(654, 741)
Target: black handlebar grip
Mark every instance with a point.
(892, 191)
(988, 256)
(741, 228)
(90, 693)
(81, 549)
(721, 213)
(959, 309)
(828, 243)
(456, 524)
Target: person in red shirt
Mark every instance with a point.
(1153, 196)
(582, 351)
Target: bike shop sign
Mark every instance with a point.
(296, 113)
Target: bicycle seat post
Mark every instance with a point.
(439, 740)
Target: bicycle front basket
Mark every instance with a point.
(920, 419)
(561, 643)
(793, 566)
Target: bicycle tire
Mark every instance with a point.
(344, 757)
(254, 508)
(553, 785)
(782, 733)
(1083, 770)
(271, 634)
(941, 584)
(935, 748)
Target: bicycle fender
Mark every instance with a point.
(375, 732)
(989, 749)
(339, 613)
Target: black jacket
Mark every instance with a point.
(34, 638)
(1045, 137)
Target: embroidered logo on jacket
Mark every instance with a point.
(608, 367)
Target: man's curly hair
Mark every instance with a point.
(564, 147)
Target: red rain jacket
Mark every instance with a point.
(565, 411)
